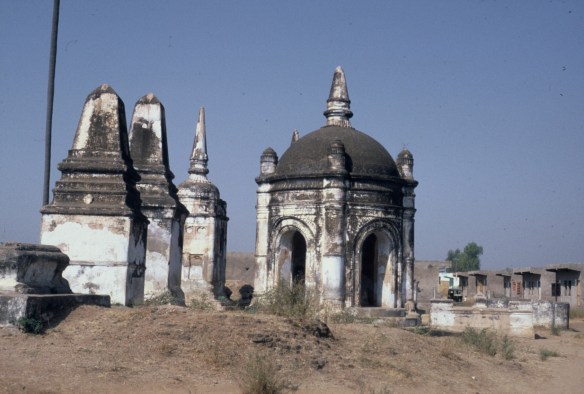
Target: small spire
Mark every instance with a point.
(338, 106)
(295, 136)
(199, 157)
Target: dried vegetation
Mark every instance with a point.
(166, 348)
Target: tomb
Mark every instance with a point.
(32, 286)
(95, 215)
(205, 229)
(149, 151)
(336, 213)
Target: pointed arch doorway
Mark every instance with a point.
(376, 276)
(291, 257)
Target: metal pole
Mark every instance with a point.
(50, 97)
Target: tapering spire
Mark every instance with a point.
(338, 106)
(199, 157)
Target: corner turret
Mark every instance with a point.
(405, 164)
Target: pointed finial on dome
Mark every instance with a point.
(338, 106)
(199, 156)
(295, 136)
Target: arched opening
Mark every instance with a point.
(291, 257)
(298, 257)
(368, 272)
(376, 277)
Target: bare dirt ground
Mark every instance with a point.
(163, 349)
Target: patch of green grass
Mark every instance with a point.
(544, 354)
(30, 325)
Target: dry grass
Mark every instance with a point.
(544, 354)
(487, 342)
(261, 376)
(295, 301)
(175, 349)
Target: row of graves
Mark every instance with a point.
(117, 225)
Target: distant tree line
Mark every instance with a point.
(467, 260)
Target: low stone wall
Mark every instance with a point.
(44, 307)
(445, 316)
(546, 313)
(513, 318)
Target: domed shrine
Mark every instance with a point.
(336, 213)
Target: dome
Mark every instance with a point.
(309, 155)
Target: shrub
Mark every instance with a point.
(30, 325)
(293, 301)
(260, 376)
(201, 302)
(343, 317)
(160, 299)
(507, 348)
(484, 340)
(544, 354)
(422, 330)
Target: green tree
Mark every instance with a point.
(467, 260)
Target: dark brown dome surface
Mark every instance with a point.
(309, 155)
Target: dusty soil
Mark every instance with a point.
(158, 349)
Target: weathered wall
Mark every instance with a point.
(444, 316)
(44, 307)
(149, 150)
(205, 228)
(426, 276)
(95, 215)
(158, 255)
(517, 318)
(551, 314)
(106, 254)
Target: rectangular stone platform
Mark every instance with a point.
(44, 307)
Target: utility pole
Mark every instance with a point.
(50, 97)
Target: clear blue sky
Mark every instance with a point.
(488, 96)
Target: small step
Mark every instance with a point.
(378, 312)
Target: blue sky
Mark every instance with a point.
(488, 96)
